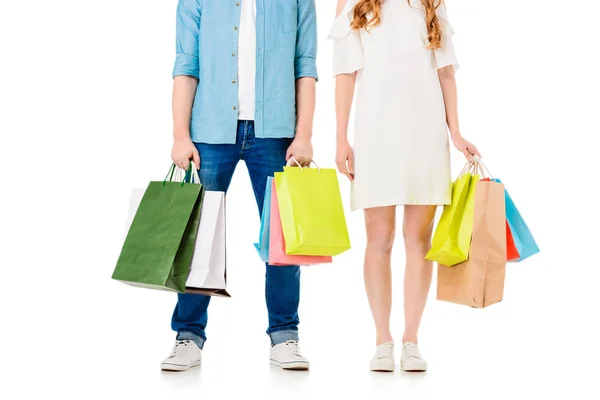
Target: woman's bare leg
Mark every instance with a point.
(381, 227)
(417, 228)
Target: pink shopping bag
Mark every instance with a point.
(277, 255)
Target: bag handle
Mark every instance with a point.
(289, 164)
(169, 176)
(482, 168)
(469, 166)
(177, 174)
(475, 166)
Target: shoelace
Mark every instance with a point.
(411, 350)
(294, 347)
(181, 348)
(385, 350)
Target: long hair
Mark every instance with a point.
(363, 8)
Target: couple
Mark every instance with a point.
(244, 89)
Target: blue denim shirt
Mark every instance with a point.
(207, 46)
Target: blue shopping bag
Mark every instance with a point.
(524, 241)
(265, 223)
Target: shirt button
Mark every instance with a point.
(235, 28)
(232, 54)
(237, 4)
(234, 108)
(233, 81)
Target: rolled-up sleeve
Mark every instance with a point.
(187, 31)
(306, 40)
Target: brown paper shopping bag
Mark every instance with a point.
(479, 281)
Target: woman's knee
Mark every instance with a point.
(381, 237)
(418, 226)
(381, 228)
(417, 237)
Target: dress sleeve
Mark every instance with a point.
(347, 48)
(445, 55)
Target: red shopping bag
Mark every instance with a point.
(511, 249)
(277, 255)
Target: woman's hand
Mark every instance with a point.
(184, 151)
(344, 159)
(301, 149)
(465, 147)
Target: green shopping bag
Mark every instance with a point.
(312, 213)
(452, 237)
(160, 243)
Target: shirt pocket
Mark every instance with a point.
(286, 15)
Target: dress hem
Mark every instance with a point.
(401, 203)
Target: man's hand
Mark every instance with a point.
(184, 151)
(301, 149)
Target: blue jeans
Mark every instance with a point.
(263, 157)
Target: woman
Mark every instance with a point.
(400, 54)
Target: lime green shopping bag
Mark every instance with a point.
(312, 213)
(452, 238)
(158, 250)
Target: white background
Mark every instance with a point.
(85, 117)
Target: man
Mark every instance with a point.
(244, 89)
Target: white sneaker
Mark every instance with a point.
(383, 360)
(287, 356)
(411, 359)
(186, 354)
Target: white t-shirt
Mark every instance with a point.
(247, 61)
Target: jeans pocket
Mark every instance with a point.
(286, 15)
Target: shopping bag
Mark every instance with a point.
(159, 246)
(524, 241)
(524, 245)
(208, 272)
(277, 249)
(479, 281)
(452, 237)
(312, 213)
(262, 246)
(512, 253)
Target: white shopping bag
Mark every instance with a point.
(208, 272)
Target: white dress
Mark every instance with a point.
(401, 145)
